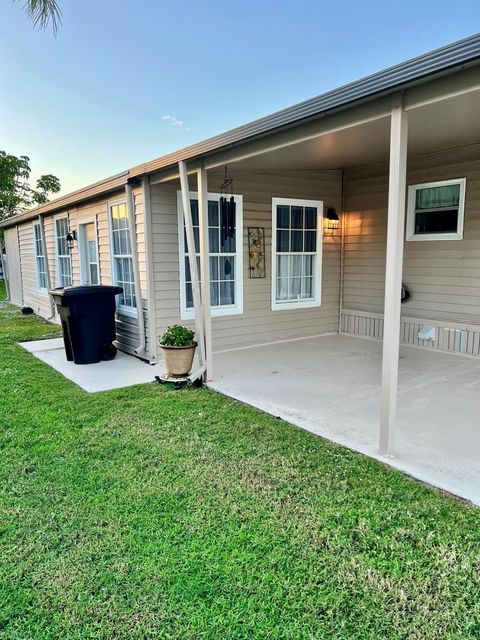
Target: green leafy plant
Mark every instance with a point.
(43, 13)
(16, 194)
(177, 336)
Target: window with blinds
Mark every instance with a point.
(122, 258)
(296, 253)
(225, 254)
(436, 210)
(64, 258)
(40, 261)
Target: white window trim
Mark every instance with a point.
(121, 309)
(82, 253)
(227, 310)
(42, 290)
(412, 191)
(61, 216)
(317, 299)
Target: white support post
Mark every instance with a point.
(192, 260)
(393, 276)
(205, 268)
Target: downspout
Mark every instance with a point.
(149, 259)
(3, 258)
(140, 349)
(20, 260)
(47, 268)
(342, 250)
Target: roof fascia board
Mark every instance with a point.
(445, 87)
(71, 200)
(420, 71)
(445, 60)
(294, 134)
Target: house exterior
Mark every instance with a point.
(338, 201)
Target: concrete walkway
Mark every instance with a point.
(123, 371)
(330, 386)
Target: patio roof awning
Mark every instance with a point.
(454, 69)
(389, 130)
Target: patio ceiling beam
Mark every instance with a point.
(393, 275)
(172, 173)
(324, 124)
(192, 260)
(205, 268)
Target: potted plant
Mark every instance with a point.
(178, 349)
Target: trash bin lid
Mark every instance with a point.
(86, 290)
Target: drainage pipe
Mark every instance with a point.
(342, 252)
(151, 310)
(3, 258)
(140, 349)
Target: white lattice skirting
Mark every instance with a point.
(451, 337)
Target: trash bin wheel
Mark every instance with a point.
(109, 351)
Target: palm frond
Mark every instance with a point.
(44, 12)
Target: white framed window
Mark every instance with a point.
(88, 250)
(122, 259)
(40, 258)
(225, 249)
(436, 210)
(296, 253)
(64, 258)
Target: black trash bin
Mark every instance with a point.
(88, 321)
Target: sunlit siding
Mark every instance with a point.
(443, 276)
(13, 274)
(38, 301)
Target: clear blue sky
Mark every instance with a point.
(93, 101)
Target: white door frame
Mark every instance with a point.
(82, 249)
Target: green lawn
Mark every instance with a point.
(151, 513)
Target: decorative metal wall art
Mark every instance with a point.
(256, 252)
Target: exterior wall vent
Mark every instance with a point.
(427, 333)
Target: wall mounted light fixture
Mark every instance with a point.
(330, 220)
(70, 238)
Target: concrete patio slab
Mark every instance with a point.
(123, 371)
(330, 385)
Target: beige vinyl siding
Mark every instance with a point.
(258, 323)
(33, 298)
(140, 230)
(13, 274)
(443, 277)
(93, 211)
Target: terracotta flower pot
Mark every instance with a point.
(178, 360)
